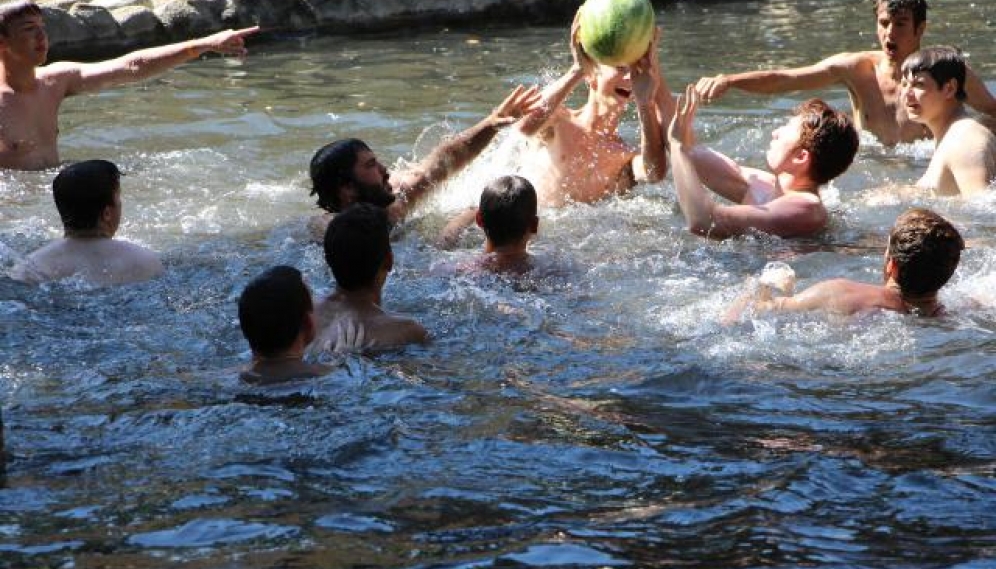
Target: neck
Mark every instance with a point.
(788, 182)
(601, 115)
(923, 304)
(294, 354)
(97, 233)
(510, 250)
(19, 79)
(366, 295)
(940, 124)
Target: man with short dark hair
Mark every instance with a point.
(277, 319)
(31, 92)
(347, 171)
(816, 145)
(964, 160)
(921, 256)
(358, 251)
(88, 197)
(872, 78)
(507, 214)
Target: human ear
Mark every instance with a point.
(479, 219)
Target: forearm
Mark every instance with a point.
(552, 97)
(693, 198)
(652, 146)
(146, 63)
(774, 81)
(666, 104)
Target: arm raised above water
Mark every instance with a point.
(145, 63)
(553, 95)
(840, 68)
(455, 153)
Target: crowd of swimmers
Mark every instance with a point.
(898, 93)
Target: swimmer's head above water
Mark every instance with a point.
(900, 26)
(345, 172)
(830, 138)
(88, 197)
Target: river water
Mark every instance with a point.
(596, 414)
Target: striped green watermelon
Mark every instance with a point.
(616, 32)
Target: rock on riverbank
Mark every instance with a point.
(98, 28)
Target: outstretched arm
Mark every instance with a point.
(145, 63)
(817, 76)
(455, 153)
(836, 295)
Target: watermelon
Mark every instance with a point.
(616, 32)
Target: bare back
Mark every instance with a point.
(569, 162)
(101, 261)
(382, 330)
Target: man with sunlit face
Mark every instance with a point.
(964, 160)
(816, 145)
(577, 155)
(31, 92)
(872, 78)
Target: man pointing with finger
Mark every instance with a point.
(31, 92)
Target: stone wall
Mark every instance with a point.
(100, 28)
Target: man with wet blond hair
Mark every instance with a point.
(31, 92)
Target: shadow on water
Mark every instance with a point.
(594, 414)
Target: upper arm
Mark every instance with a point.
(782, 217)
(87, 77)
(821, 296)
(720, 174)
(972, 170)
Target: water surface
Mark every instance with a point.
(594, 415)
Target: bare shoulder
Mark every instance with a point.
(394, 330)
(854, 65)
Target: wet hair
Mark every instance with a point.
(830, 138)
(942, 63)
(272, 309)
(916, 7)
(508, 209)
(926, 249)
(331, 168)
(82, 191)
(10, 11)
(357, 242)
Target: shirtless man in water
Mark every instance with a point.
(31, 92)
(581, 156)
(964, 160)
(921, 256)
(88, 197)
(872, 78)
(816, 145)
